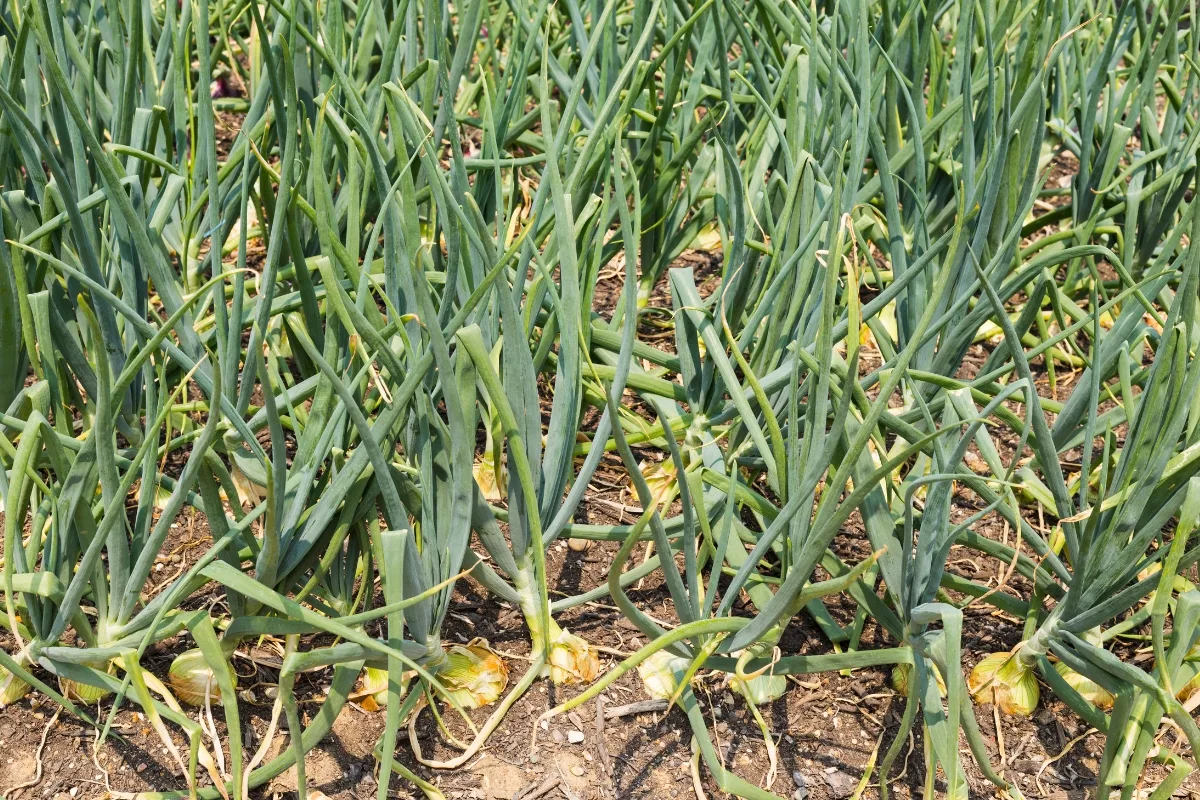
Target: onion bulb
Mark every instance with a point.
(472, 675)
(572, 660)
(78, 692)
(903, 672)
(12, 688)
(192, 679)
(1004, 679)
(661, 673)
(1088, 689)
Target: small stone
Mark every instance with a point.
(799, 779)
(579, 545)
(533, 758)
(841, 785)
(141, 767)
(557, 735)
(574, 737)
(800, 794)
(577, 771)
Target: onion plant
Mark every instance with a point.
(327, 279)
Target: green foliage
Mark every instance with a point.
(285, 263)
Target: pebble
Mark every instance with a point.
(841, 785)
(141, 767)
(574, 737)
(799, 779)
(579, 545)
(557, 735)
(577, 771)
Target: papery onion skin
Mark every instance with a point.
(192, 680)
(1088, 689)
(661, 673)
(473, 675)
(12, 688)
(1002, 678)
(572, 660)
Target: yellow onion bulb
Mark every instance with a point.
(902, 674)
(661, 673)
(12, 688)
(78, 692)
(374, 689)
(192, 679)
(491, 476)
(375, 684)
(760, 689)
(572, 660)
(1189, 688)
(661, 479)
(1002, 678)
(472, 675)
(1088, 689)
(707, 240)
